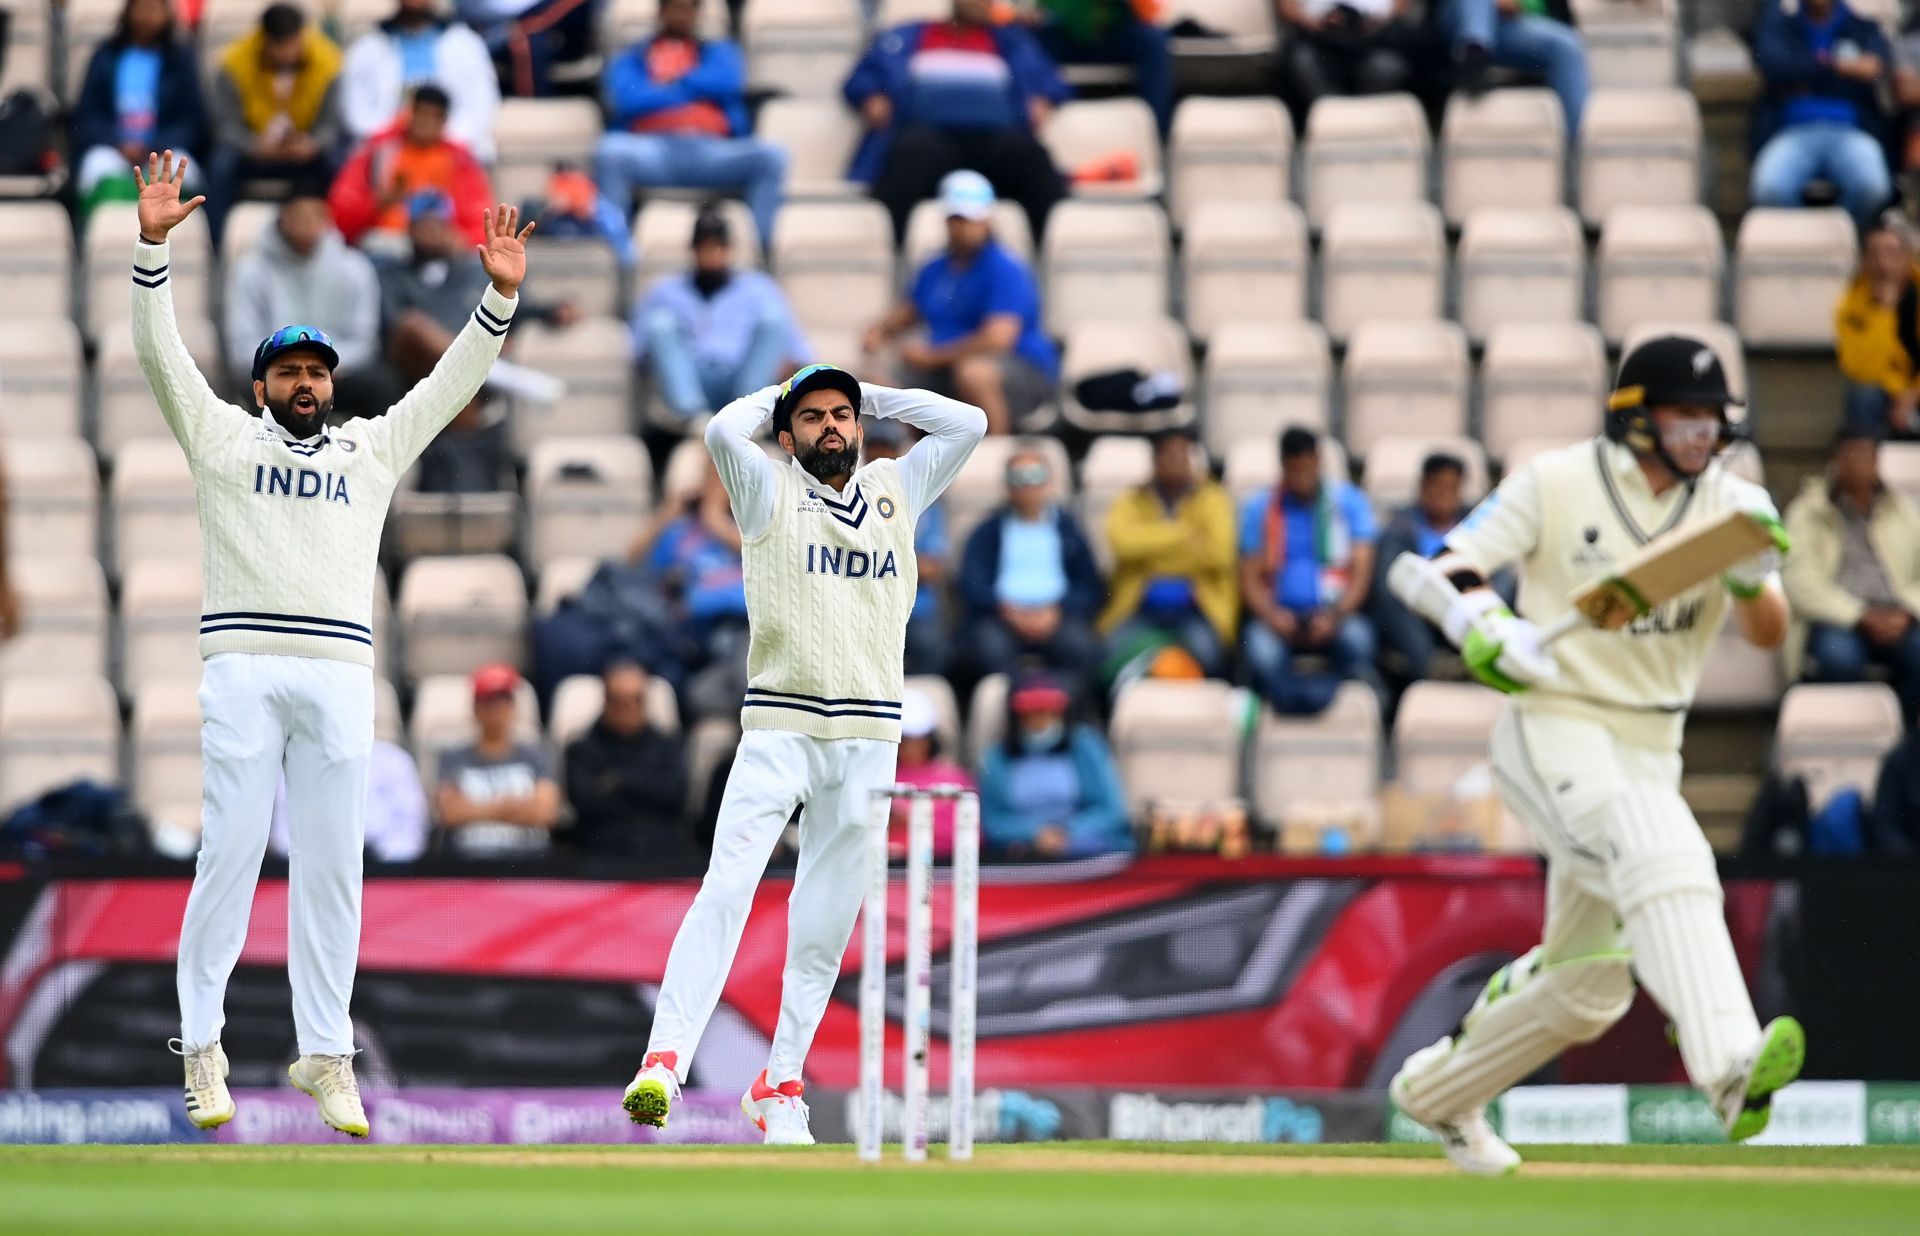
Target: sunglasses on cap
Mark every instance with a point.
(1029, 474)
(288, 338)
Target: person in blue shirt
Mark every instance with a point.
(141, 93)
(1050, 789)
(1407, 641)
(713, 333)
(1306, 566)
(981, 310)
(1820, 117)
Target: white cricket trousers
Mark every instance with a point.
(314, 718)
(773, 772)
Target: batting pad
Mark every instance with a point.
(1686, 959)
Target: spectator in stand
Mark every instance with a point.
(1893, 821)
(714, 333)
(275, 108)
(1407, 641)
(1112, 32)
(1853, 578)
(1050, 789)
(418, 47)
(627, 780)
(396, 808)
(679, 112)
(694, 549)
(1819, 115)
(939, 96)
(926, 651)
(981, 308)
(1175, 576)
(370, 196)
(1531, 36)
(1028, 581)
(1343, 47)
(300, 270)
(141, 93)
(496, 796)
(1306, 563)
(571, 208)
(527, 38)
(1874, 332)
(921, 764)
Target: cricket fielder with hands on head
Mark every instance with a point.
(290, 519)
(1588, 754)
(827, 554)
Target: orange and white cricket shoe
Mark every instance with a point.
(650, 1095)
(778, 1111)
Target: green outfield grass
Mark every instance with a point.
(1087, 1187)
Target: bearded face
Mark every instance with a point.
(297, 392)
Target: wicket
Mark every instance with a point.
(916, 1019)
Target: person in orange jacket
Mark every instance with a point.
(369, 197)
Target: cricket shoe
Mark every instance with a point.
(1470, 1142)
(208, 1103)
(778, 1111)
(650, 1095)
(1745, 1100)
(329, 1080)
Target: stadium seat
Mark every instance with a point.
(819, 136)
(155, 515)
(927, 235)
(1404, 378)
(1150, 345)
(1238, 29)
(42, 376)
(946, 711)
(578, 699)
(594, 357)
(458, 613)
(835, 260)
(1364, 150)
(801, 47)
(1737, 677)
(88, 24)
(890, 13)
(1659, 261)
(1105, 260)
(1833, 736)
(1900, 467)
(1722, 338)
(443, 718)
(53, 497)
(1323, 761)
(1638, 148)
(420, 524)
(561, 579)
(1787, 264)
(1253, 464)
(1506, 148)
(585, 496)
(1244, 261)
(981, 486)
(1541, 379)
(55, 729)
(532, 135)
(108, 269)
(1261, 374)
(1228, 150)
(63, 617)
(1381, 262)
(1440, 734)
(1521, 266)
(1084, 131)
(159, 620)
(165, 748)
(583, 270)
(709, 744)
(36, 259)
(28, 62)
(246, 223)
(663, 238)
(1631, 44)
(1522, 450)
(1176, 743)
(386, 711)
(353, 18)
(124, 406)
(1393, 468)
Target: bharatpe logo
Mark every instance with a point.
(1149, 1118)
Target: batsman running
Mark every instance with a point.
(1587, 752)
(827, 555)
(290, 518)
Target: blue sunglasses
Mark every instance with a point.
(288, 338)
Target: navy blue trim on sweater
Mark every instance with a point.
(272, 630)
(481, 315)
(254, 613)
(830, 714)
(821, 699)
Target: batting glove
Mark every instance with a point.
(1746, 580)
(1505, 652)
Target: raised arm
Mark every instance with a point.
(953, 429)
(744, 468)
(400, 435)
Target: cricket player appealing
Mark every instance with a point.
(1588, 754)
(827, 555)
(290, 518)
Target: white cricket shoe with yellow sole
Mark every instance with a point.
(208, 1103)
(650, 1095)
(1470, 1142)
(330, 1082)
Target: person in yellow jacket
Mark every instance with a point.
(1853, 579)
(1874, 331)
(275, 109)
(1174, 572)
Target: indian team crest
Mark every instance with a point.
(884, 505)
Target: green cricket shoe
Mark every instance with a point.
(1746, 1103)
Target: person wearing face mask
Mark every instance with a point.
(1587, 754)
(1050, 789)
(714, 333)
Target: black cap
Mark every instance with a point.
(1668, 370)
(813, 378)
(711, 224)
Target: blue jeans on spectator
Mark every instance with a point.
(1526, 43)
(692, 384)
(756, 170)
(1841, 654)
(1843, 154)
(1190, 631)
(1270, 663)
(1142, 46)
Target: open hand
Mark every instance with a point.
(504, 253)
(161, 209)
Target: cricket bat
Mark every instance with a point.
(1664, 568)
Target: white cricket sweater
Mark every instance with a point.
(290, 528)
